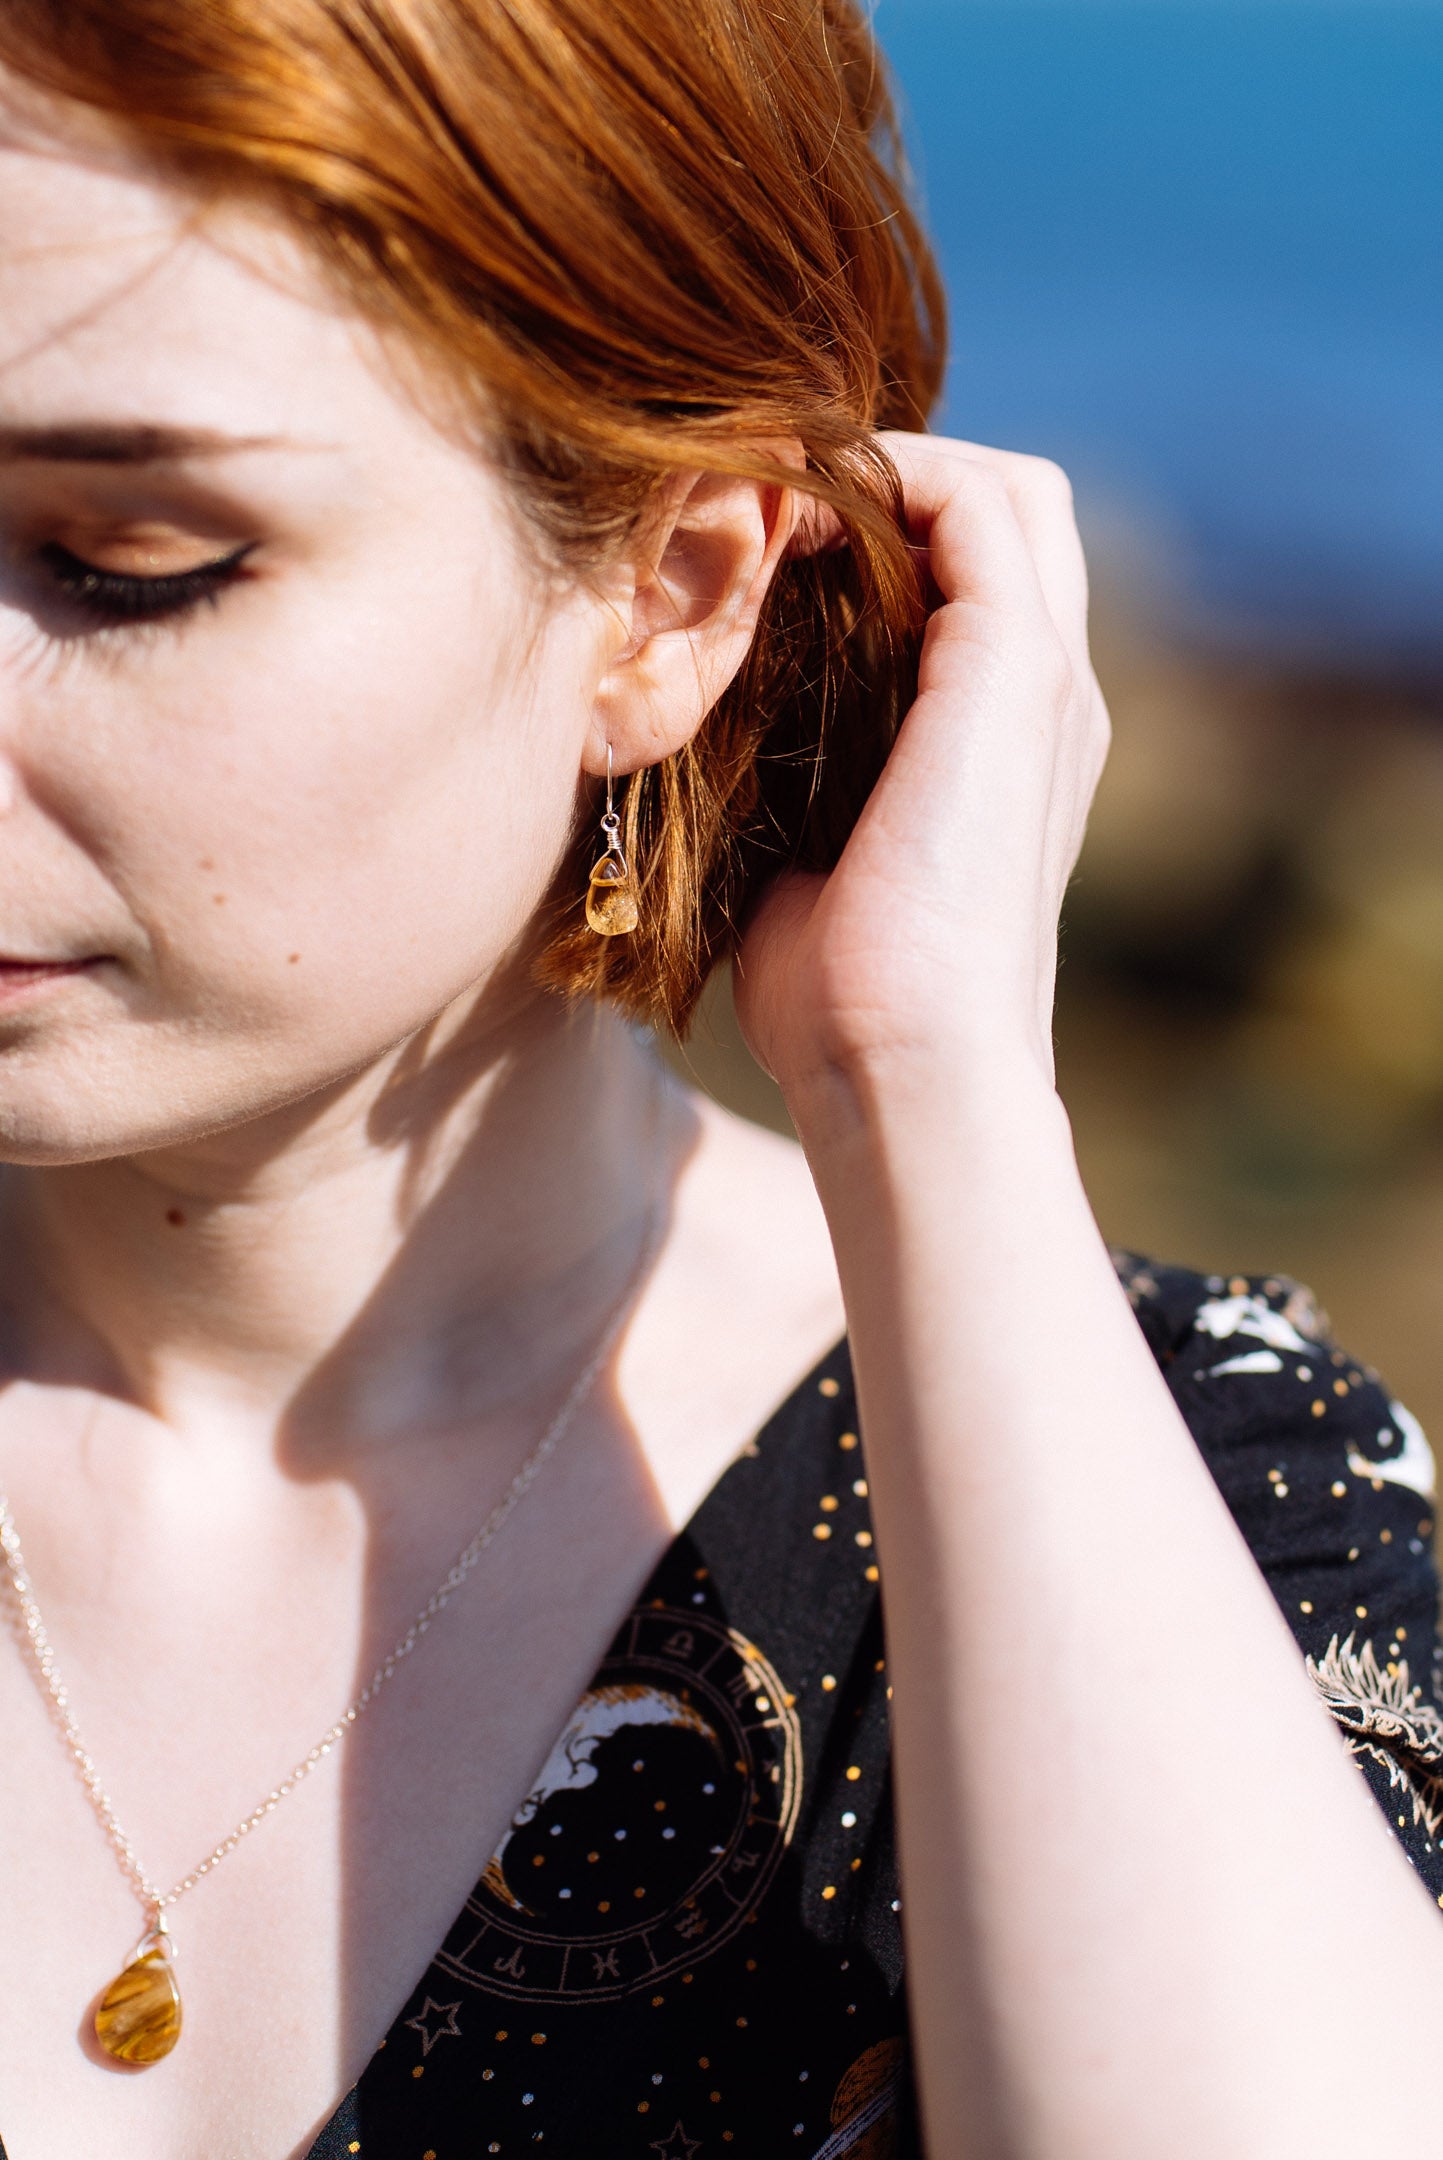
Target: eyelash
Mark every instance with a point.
(112, 597)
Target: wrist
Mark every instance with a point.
(891, 1117)
(911, 1098)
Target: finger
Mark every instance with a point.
(1041, 496)
(962, 512)
(1041, 499)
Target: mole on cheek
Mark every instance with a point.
(218, 898)
(175, 1217)
(295, 956)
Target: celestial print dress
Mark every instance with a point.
(689, 1943)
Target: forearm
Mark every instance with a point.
(1140, 1875)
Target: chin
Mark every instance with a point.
(41, 1136)
(69, 1108)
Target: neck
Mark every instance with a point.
(437, 1237)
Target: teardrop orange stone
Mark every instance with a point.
(138, 2020)
(611, 909)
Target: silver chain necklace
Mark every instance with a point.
(138, 2018)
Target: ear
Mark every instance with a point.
(692, 612)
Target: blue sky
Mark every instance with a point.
(1195, 249)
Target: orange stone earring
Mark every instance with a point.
(611, 908)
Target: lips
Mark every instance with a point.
(17, 973)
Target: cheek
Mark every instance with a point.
(321, 847)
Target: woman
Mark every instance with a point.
(452, 581)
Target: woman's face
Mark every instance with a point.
(261, 821)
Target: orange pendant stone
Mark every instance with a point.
(138, 2020)
(611, 908)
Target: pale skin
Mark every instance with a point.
(289, 847)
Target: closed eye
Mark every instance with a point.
(117, 597)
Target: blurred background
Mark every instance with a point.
(1193, 251)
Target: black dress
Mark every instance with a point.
(690, 1940)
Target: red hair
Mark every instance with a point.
(650, 236)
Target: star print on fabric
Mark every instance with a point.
(676, 2147)
(431, 2033)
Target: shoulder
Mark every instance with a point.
(1310, 1447)
(1331, 1482)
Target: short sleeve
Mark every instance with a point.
(1332, 1484)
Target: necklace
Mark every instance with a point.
(138, 2018)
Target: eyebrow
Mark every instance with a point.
(102, 442)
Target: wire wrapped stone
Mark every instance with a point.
(611, 908)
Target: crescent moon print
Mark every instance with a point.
(571, 1765)
(1253, 1318)
(654, 1829)
(1414, 1467)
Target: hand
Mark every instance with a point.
(937, 930)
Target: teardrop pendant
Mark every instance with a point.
(139, 2015)
(611, 909)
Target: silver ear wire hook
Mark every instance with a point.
(611, 822)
